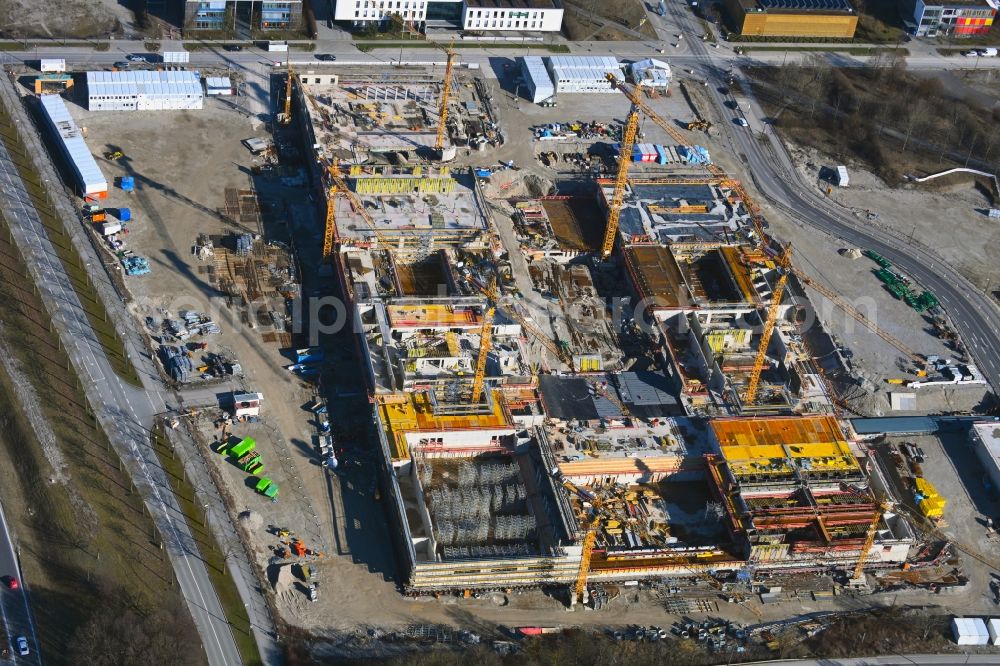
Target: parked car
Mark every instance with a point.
(11, 582)
(233, 47)
(742, 122)
(21, 645)
(122, 64)
(136, 58)
(328, 57)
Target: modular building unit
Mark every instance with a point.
(52, 65)
(144, 91)
(970, 631)
(536, 79)
(176, 56)
(583, 74)
(216, 86)
(842, 178)
(90, 181)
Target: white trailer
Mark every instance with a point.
(842, 178)
(52, 65)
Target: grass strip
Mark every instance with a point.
(417, 44)
(72, 262)
(211, 554)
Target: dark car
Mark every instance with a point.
(233, 47)
(328, 57)
(10, 582)
(122, 64)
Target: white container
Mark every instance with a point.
(52, 65)
(842, 178)
(993, 627)
(970, 631)
(176, 56)
(109, 228)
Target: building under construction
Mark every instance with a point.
(795, 495)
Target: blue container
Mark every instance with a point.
(661, 155)
(128, 183)
(124, 214)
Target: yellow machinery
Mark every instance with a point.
(286, 117)
(699, 124)
(621, 179)
(492, 293)
(588, 549)
(784, 264)
(445, 94)
(869, 540)
(485, 336)
(647, 111)
(338, 186)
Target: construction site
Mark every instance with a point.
(593, 374)
(533, 436)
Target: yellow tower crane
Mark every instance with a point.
(784, 265)
(443, 109)
(752, 208)
(485, 337)
(286, 117)
(859, 568)
(589, 541)
(491, 292)
(624, 160)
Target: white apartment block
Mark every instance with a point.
(531, 15)
(472, 15)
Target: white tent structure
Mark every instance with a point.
(651, 73)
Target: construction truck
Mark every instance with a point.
(699, 124)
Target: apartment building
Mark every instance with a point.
(962, 19)
(255, 14)
(472, 15)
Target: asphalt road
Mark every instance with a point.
(15, 611)
(125, 411)
(974, 315)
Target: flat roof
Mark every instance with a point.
(895, 425)
(428, 315)
(989, 434)
(89, 174)
(416, 414)
(144, 82)
(657, 275)
(570, 398)
(799, 6)
(777, 431)
(511, 4)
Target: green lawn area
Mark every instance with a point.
(211, 554)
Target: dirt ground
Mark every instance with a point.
(586, 20)
(948, 215)
(67, 18)
(952, 466)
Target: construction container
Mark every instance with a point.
(52, 65)
(970, 631)
(842, 178)
(124, 214)
(100, 216)
(109, 228)
(90, 181)
(993, 627)
(127, 183)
